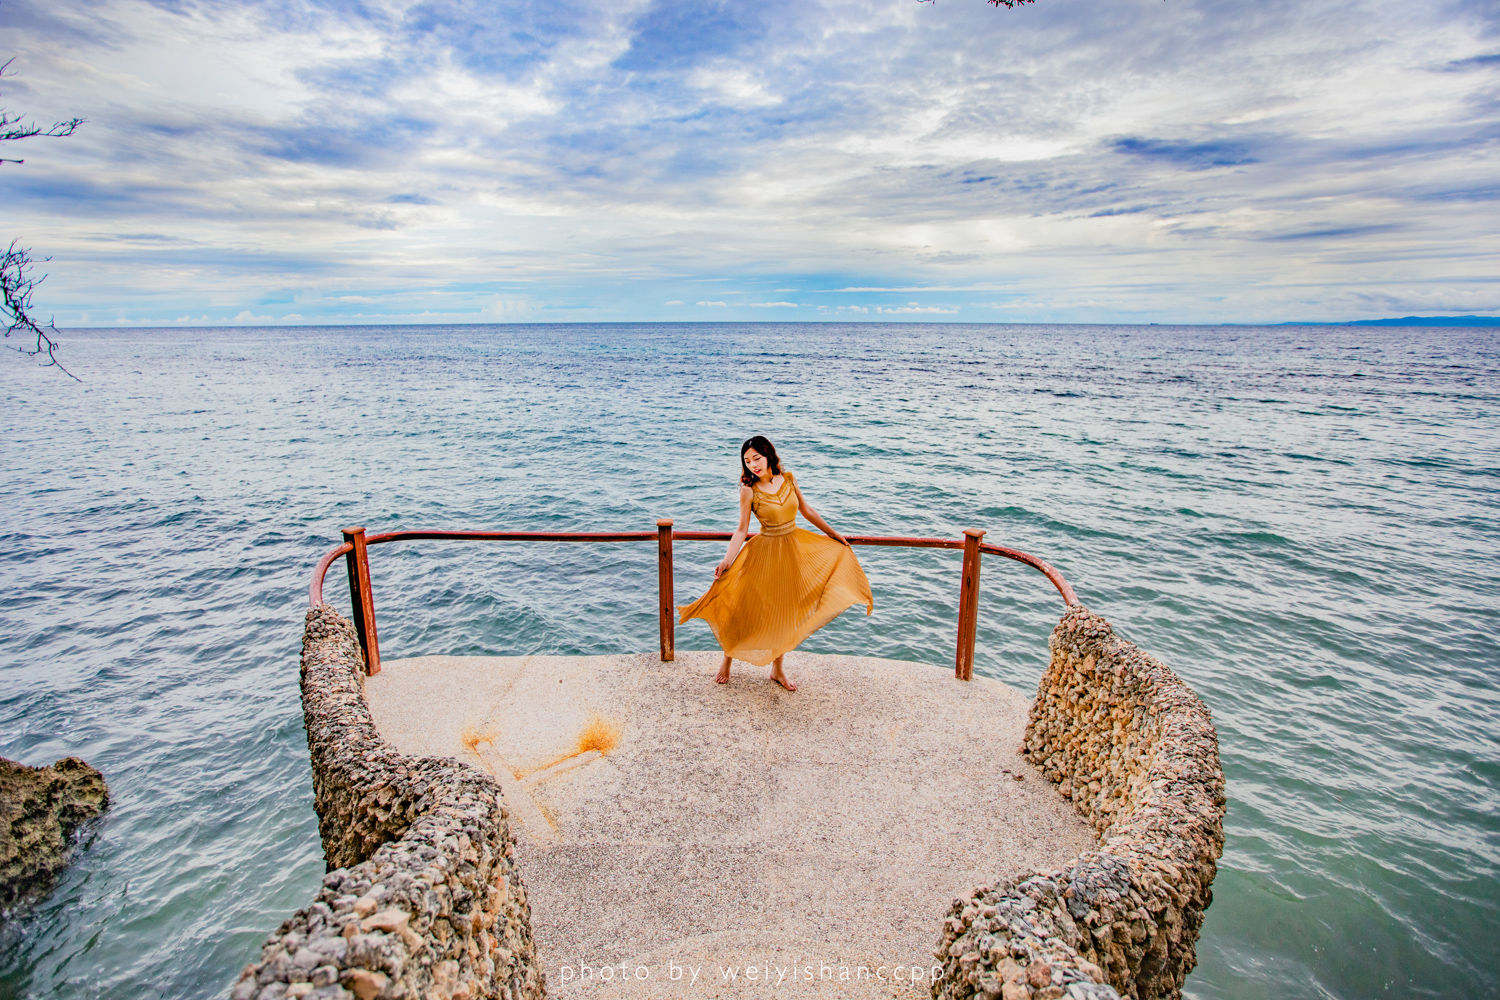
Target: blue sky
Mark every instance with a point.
(309, 161)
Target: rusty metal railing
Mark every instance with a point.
(356, 545)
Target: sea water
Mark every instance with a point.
(1300, 521)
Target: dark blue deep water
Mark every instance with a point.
(1300, 521)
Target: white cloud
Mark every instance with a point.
(736, 87)
(913, 307)
(245, 316)
(1223, 161)
(508, 309)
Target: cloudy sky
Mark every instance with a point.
(454, 161)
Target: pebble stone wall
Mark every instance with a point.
(422, 900)
(1135, 750)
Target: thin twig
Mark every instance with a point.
(12, 126)
(16, 287)
(16, 281)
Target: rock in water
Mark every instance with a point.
(41, 808)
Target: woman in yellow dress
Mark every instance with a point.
(787, 582)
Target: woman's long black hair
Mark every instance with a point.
(766, 448)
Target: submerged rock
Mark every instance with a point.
(41, 809)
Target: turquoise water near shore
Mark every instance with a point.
(1300, 521)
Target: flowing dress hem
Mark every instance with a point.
(817, 623)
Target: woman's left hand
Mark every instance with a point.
(838, 538)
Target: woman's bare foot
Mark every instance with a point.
(723, 677)
(779, 677)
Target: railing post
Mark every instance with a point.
(362, 597)
(667, 612)
(968, 606)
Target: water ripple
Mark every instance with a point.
(1300, 521)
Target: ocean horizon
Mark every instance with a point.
(1417, 322)
(1298, 520)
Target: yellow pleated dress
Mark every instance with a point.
(784, 584)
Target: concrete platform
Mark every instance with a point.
(670, 825)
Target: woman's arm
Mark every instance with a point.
(813, 516)
(738, 539)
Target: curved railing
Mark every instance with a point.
(1123, 738)
(356, 545)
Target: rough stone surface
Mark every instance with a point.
(42, 809)
(1135, 750)
(422, 898)
(740, 826)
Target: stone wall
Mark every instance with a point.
(1135, 750)
(422, 899)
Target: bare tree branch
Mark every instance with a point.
(16, 286)
(16, 281)
(994, 3)
(13, 126)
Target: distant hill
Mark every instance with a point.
(1412, 321)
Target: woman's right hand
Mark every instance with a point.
(719, 569)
